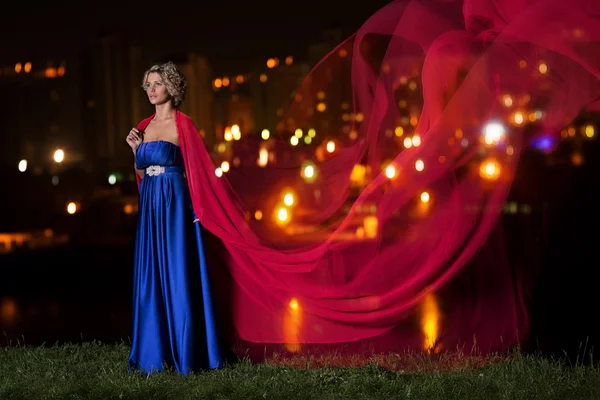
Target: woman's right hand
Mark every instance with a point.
(134, 139)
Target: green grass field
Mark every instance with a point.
(99, 371)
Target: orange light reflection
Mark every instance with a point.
(292, 324)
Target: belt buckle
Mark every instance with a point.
(155, 170)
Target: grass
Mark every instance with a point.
(99, 371)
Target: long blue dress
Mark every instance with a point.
(173, 321)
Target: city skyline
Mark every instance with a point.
(84, 102)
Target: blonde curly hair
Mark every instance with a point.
(173, 79)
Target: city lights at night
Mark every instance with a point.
(391, 183)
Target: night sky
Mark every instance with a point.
(228, 32)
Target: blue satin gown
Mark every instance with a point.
(173, 321)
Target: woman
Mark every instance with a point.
(173, 321)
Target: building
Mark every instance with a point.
(41, 114)
(257, 99)
(329, 40)
(199, 98)
(274, 89)
(113, 102)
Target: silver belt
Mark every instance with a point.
(155, 170)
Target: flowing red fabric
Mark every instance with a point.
(444, 94)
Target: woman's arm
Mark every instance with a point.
(140, 172)
(134, 139)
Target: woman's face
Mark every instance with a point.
(156, 89)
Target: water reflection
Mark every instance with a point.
(8, 311)
(40, 322)
(66, 294)
(82, 292)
